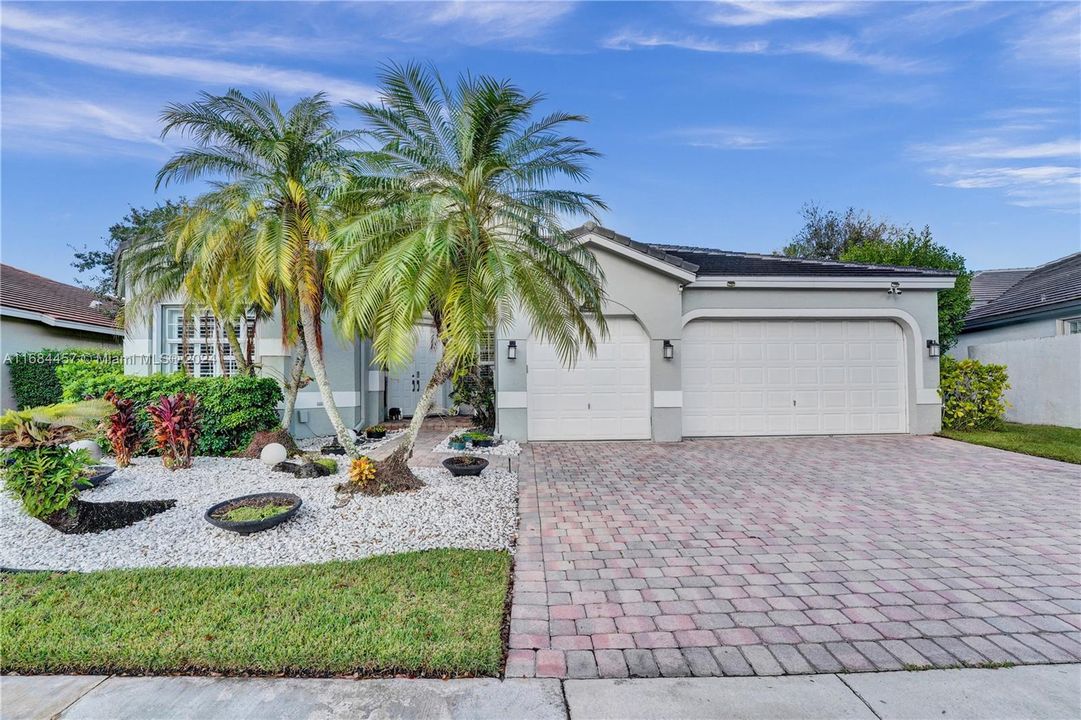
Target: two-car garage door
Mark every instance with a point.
(739, 377)
(793, 377)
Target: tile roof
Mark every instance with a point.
(22, 290)
(712, 261)
(987, 285)
(651, 250)
(1054, 283)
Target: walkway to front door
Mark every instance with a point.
(792, 555)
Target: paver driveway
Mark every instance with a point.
(792, 555)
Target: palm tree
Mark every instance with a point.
(275, 177)
(459, 224)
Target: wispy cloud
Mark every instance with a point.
(121, 48)
(72, 125)
(631, 40)
(1031, 171)
(834, 49)
(727, 138)
(1050, 38)
(742, 14)
(498, 20)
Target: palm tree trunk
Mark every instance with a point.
(219, 350)
(319, 370)
(242, 366)
(292, 383)
(395, 469)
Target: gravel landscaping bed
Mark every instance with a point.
(507, 448)
(363, 443)
(474, 513)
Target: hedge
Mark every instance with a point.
(973, 394)
(34, 380)
(232, 409)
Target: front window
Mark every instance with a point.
(486, 351)
(1071, 326)
(208, 352)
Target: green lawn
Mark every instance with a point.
(1049, 441)
(432, 613)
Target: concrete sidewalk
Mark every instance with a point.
(1031, 692)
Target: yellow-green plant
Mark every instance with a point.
(51, 425)
(40, 470)
(973, 394)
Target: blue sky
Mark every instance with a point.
(717, 120)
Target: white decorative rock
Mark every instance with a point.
(273, 453)
(90, 446)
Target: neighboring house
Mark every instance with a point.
(701, 342)
(37, 313)
(1030, 321)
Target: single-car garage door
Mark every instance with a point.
(793, 377)
(605, 397)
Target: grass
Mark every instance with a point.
(434, 613)
(1049, 441)
(248, 513)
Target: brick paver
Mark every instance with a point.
(792, 555)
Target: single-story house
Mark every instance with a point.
(702, 342)
(37, 313)
(1029, 320)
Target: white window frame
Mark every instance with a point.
(204, 359)
(1064, 326)
(487, 349)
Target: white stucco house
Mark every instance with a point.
(1029, 319)
(702, 342)
(37, 313)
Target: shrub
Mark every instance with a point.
(175, 423)
(972, 394)
(122, 430)
(328, 464)
(34, 375)
(233, 409)
(44, 479)
(475, 387)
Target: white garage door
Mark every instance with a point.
(605, 397)
(793, 377)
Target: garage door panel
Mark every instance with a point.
(793, 377)
(606, 396)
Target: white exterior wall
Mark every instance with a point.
(1045, 378)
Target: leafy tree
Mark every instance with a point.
(920, 250)
(827, 234)
(463, 226)
(276, 175)
(97, 268)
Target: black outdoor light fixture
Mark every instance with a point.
(932, 348)
(512, 350)
(669, 351)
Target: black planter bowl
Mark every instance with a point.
(95, 475)
(460, 469)
(375, 434)
(254, 526)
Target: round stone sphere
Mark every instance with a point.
(273, 454)
(90, 446)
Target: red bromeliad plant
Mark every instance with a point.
(175, 423)
(121, 429)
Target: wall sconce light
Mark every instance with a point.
(512, 350)
(895, 288)
(668, 350)
(933, 349)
